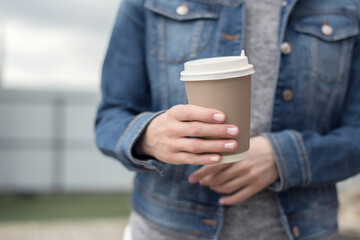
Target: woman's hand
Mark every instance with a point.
(242, 179)
(167, 138)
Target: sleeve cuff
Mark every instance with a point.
(126, 143)
(291, 160)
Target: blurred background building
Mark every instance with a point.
(51, 54)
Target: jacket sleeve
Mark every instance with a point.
(125, 108)
(308, 158)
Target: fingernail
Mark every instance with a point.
(215, 158)
(219, 117)
(232, 131)
(221, 201)
(229, 146)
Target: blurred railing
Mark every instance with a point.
(47, 144)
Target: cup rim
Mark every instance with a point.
(219, 75)
(217, 68)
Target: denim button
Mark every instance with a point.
(296, 232)
(182, 9)
(327, 30)
(287, 95)
(284, 3)
(285, 48)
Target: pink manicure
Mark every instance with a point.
(232, 131)
(219, 117)
(229, 146)
(215, 158)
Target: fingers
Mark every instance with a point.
(221, 178)
(199, 129)
(195, 145)
(230, 186)
(206, 171)
(241, 195)
(206, 176)
(195, 113)
(196, 159)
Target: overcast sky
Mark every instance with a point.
(54, 44)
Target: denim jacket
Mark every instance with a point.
(315, 124)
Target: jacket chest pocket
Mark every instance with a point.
(326, 42)
(179, 30)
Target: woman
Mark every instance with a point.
(305, 117)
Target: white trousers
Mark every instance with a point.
(127, 233)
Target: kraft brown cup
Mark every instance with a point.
(224, 92)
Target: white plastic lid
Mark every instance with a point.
(217, 68)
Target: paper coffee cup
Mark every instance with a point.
(223, 83)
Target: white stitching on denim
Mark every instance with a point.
(315, 39)
(175, 204)
(282, 166)
(232, 3)
(299, 153)
(303, 156)
(345, 50)
(306, 158)
(195, 235)
(162, 21)
(243, 22)
(311, 90)
(117, 147)
(198, 28)
(140, 129)
(218, 37)
(178, 230)
(162, 63)
(329, 106)
(176, 181)
(326, 10)
(344, 47)
(162, 56)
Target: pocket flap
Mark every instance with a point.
(341, 24)
(193, 10)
